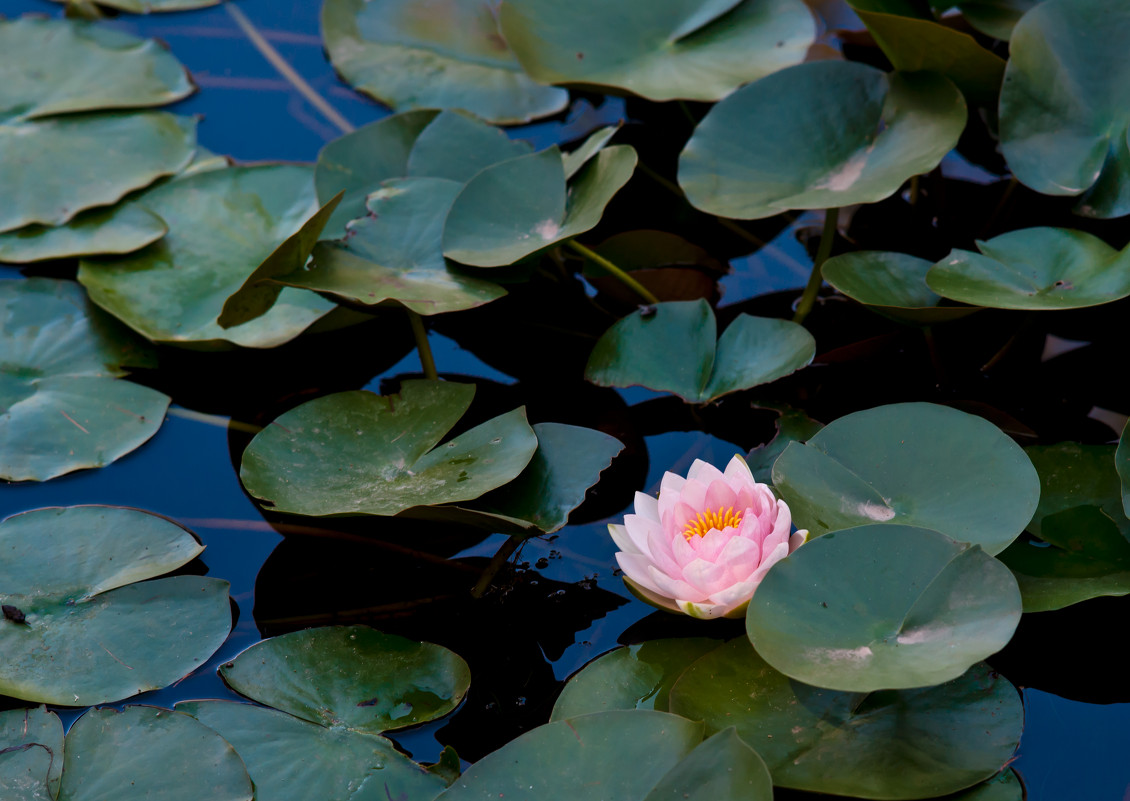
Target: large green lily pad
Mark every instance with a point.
(720, 768)
(889, 744)
(793, 425)
(929, 608)
(361, 453)
(1065, 104)
(409, 55)
(915, 464)
(659, 49)
(1035, 268)
(62, 407)
(31, 754)
(119, 229)
(841, 133)
(893, 284)
(223, 225)
(95, 628)
(673, 347)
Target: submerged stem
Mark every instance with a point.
(613, 270)
(497, 561)
(426, 359)
(816, 277)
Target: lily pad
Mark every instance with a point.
(31, 754)
(361, 453)
(223, 224)
(634, 677)
(889, 744)
(518, 207)
(1035, 268)
(720, 768)
(62, 407)
(119, 229)
(1065, 104)
(409, 55)
(890, 465)
(1083, 550)
(94, 629)
(659, 49)
(793, 425)
(995, 18)
(872, 132)
(672, 347)
(892, 284)
(928, 610)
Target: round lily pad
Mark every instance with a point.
(892, 284)
(659, 49)
(916, 464)
(82, 623)
(720, 768)
(1035, 268)
(62, 407)
(119, 229)
(672, 347)
(889, 744)
(361, 453)
(928, 610)
(873, 132)
(1065, 104)
(408, 56)
(31, 754)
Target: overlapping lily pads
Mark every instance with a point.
(82, 623)
(889, 465)
(673, 347)
(660, 49)
(842, 133)
(1035, 268)
(31, 754)
(1065, 104)
(893, 284)
(409, 55)
(62, 407)
(361, 453)
(995, 18)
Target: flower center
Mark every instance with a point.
(712, 519)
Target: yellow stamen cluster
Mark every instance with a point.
(711, 519)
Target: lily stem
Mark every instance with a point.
(426, 359)
(613, 270)
(816, 277)
(497, 561)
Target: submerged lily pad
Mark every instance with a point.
(361, 453)
(659, 49)
(62, 407)
(1035, 268)
(889, 465)
(928, 610)
(1065, 104)
(223, 225)
(871, 132)
(31, 754)
(889, 744)
(409, 55)
(673, 348)
(893, 284)
(94, 629)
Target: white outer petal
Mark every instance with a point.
(647, 506)
(621, 538)
(704, 472)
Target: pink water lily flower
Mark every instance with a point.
(706, 543)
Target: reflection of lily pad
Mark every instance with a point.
(893, 284)
(886, 744)
(873, 132)
(929, 609)
(31, 754)
(672, 347)
(1035, 268)
(412, 55)
(95, 630)
(62, 407)
(660, 49)
(888, 465)
(361, 453)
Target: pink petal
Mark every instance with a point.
(798, 539)
(704, 472)
(711, 545)
(669, 490)
(650, 597)
(738, 471)
(694, 495)
(704, 611)
(736, 594)
(673, 587)
(647, 506)
(639, 530)
(662, 556)
(704, 576)
(638, 569)
(741, 556)
(719, 496)
(683, 552)
(770, 559)
(621, 538)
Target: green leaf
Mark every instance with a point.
(671, 347)
(890, 744)
(635, 677)
(96, 629)
(1065, 104)
(143, 753)
(1005, 786)
(31, 754)
(361, 453)
(873, 132)
(995, 18)
(793, 425)
(62, 407)
(659, 49)
(892, 284)
(1122, 464)
(721, 768)
(583, 757)
(1035, 268)
(928, 609)
(222, 224)
(915, 464)
(119, 229)
(411, 56)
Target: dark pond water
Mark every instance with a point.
(563, 605)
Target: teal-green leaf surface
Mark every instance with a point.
(892, 284)
(118, 229)
(720, 768)
(31, 754)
